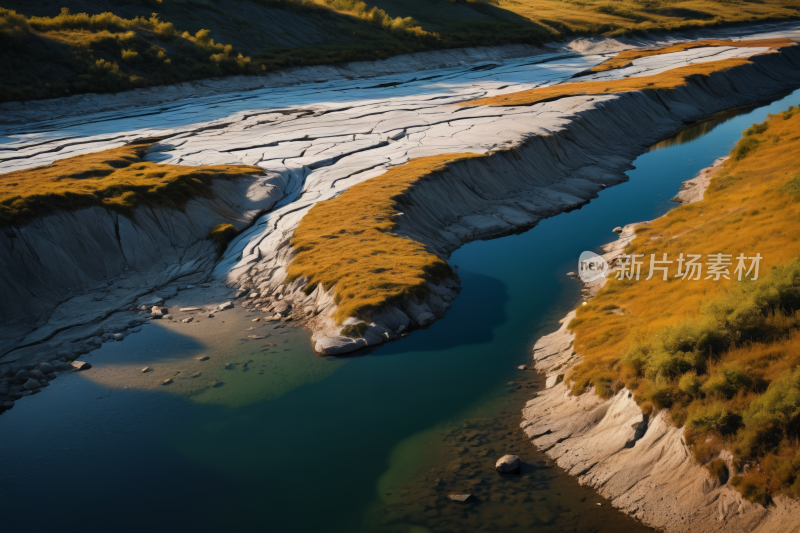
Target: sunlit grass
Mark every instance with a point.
(665, 80)
(117, 179)
(348, 242)
(623, 59)
(707, 350)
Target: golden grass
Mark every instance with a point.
(752, 206)
(622, 17)
(347, 242)
(666, 80)
(116, 179)
(623, 59)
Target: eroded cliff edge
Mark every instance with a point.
(640, 462)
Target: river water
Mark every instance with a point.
(265, 436)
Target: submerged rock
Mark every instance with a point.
(32, 384)
(81, 365)
(338, 345)
(508, 464)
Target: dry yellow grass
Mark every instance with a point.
(752, 206)
(117, 179)
(665, 80)
(623, 59)
(619, 17)
(347, 242)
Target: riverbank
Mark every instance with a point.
(641, 459)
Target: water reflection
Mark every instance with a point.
(701, 128)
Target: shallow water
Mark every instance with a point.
(293, 442)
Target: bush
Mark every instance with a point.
(714, 417)
(727, 382)
(355, 330)
(744, 147)
(689, 384)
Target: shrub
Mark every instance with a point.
(753, 487)
(689, 384)
(756, 129)
(727, 381)
(744, 147)
(354, 330)
(715, 417)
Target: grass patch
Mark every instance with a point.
(623, 59)
(666, 80)
(348, 242)
(117, 179)
(222, 235)
(724, 358)
(111, 46)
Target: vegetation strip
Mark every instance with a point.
(670, 79)
(722, 356)
(117, 179)
(623, 59)
(348, 242)
(119, 46)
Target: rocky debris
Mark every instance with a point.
(167, 381)
(46, 368)
(37, 374)
(282, 308)
(81, 365)
(225, 306)
(462, 498)
(32, 384)
(187, 320)
(158, 310)
(508, 464)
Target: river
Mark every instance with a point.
(272, 438)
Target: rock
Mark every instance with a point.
(282, 308)
(187, 320)
(46, 368)
(553, 380)
(158, 310)
(167, 381)
(51, 375)
(508, 464)
(371, 339)
(99, 332)
(522, 367)
(254, 295)
(425, 318)
(4, 391)
(190, 309)
(255, 320)
(81, 365)
(32, 384)
(118, 336)
(225, 306)
(210, 315)
(204, 358)
(617, 230)
(256, 337)
(36, 374)
(462, 498)
(62, 366)
(196, 375)
(8, 404)
(146, 370)
(338, 345)
(22, 375)
(167, 317)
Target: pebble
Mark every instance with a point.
(204, 358)
(462, 498)
(167, 381)
(522, 367)
(46, 368)
(187, 320)
(118, 336)
(32, 384)
(147, 369)
(256, 320)
(81, 365)
(189, 309)
(210, 315)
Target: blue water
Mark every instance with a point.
(87, 455)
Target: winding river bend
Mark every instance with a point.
(288, 441)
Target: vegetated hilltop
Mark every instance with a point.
(61, 47)
(721, 355)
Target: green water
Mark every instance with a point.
(315, 444)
